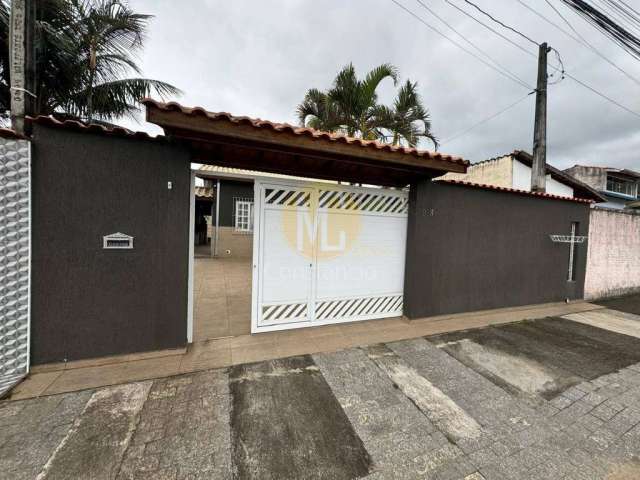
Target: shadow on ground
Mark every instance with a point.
(541, 357)
(629, 304)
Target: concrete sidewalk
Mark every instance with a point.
(450, 407)
(87, 374)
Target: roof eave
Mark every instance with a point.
(586, 192)
(177, 120)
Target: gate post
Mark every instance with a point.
(15, 259)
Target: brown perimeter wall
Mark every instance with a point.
(90, 302)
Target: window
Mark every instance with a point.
(243, 216)
(621, 185)
(571, 277)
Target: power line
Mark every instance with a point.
(457, 44)
(622, 12)
(607, 26)
(485, 120)
(579, 39)
(473, 45)
(580, 82)
(630, 7)
(500, 23)
(518, 46)
(589, 87)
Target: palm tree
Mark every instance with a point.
(408, 120)
(319, 112)
(85, 50)
(351, 106)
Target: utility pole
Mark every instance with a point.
(539, 166)
(22, 61)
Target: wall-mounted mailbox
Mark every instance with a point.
(117, 241)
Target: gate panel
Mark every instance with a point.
(15, 246)
(360, 254)
(285, 231)
(327, 254)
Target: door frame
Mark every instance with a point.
(191, 255)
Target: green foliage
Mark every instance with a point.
(85, 50)
(351, 107)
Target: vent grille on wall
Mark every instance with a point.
(117, 241)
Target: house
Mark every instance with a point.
(225, 202)
(618, 186)
(322, 229)
(513, 170)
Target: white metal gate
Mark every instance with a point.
(326, 253)
(15, 253)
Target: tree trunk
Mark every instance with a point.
(92, 74)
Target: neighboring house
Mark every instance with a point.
(618, 186)
(513, 170)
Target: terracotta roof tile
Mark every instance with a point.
(300, 131)
(12, 134)
(514, 190)
(92, 128)
(203, 192)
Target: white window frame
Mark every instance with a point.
(630, 187)
(243, 215)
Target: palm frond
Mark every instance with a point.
(375, 76)
(122, 97)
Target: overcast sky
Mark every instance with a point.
(258, 58)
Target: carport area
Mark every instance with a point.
(323, 226)
(550, 398)
(222, 297)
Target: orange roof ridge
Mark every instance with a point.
(51, 121)
(514, 190)
(301, 131)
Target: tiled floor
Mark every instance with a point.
(222, 297)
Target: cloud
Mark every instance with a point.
(258, 59)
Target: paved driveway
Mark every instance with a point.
(544, 399)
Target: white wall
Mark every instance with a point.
(613, 261)
(522, 181)
(15, 260)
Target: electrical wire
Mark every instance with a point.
(518, 46)
(501, 23)
(622, 13)
(559, 68)
(579, 82)
(457, 44)
(473, 45)
(607, 26)
(589, 87)
(579, 38)
(485, 120)
(524, 50)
